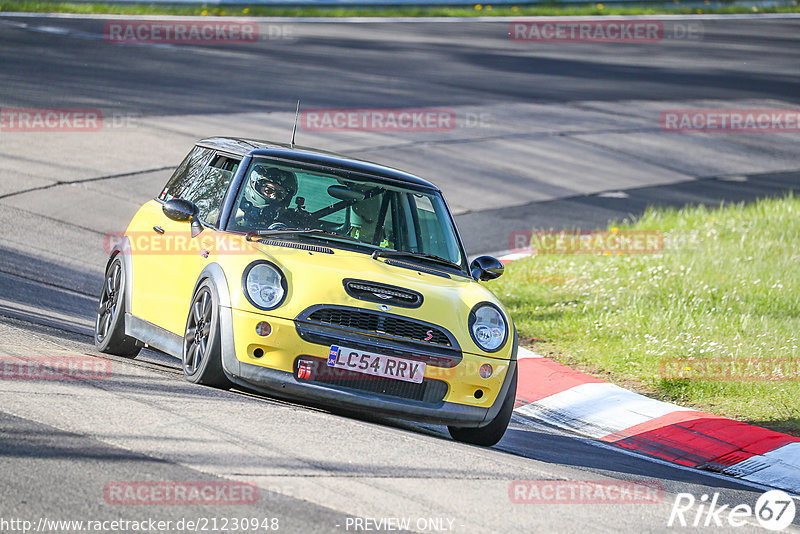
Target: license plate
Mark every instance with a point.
(369, 363)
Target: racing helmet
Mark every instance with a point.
(273, 185)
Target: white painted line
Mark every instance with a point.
(779, 467)
(789, 453)
(597, 409)
(710, 16)
(514, 256)
(373, 20)
(523, 353)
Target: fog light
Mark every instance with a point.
(263, 328)
(485, 370)
(478, 393)
(258, 353)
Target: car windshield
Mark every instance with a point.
(362, 212)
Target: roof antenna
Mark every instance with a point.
(296, 115)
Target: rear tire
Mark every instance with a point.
(489, 435)
(109, 325)
(202, 346)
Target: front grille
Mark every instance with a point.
(428, 391)
(382, 293)
(376, 323)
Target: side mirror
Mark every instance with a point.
(486, 268)
(181, 210)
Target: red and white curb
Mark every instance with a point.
(560, 396)
(515, 255)
(568, 399)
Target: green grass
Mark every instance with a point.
(476, 10)
(726, 286)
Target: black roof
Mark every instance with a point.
(253, 147)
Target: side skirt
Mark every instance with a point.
(154, 336)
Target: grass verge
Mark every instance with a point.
(722, 297)
(476, 10)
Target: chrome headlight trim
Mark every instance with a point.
(473, 321)
(247, 284)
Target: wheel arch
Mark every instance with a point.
(216, 275)
(123, 249)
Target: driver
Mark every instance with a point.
(271, 190)
(273, 185)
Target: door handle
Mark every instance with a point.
(158, 230)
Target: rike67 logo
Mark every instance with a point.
(774, 510)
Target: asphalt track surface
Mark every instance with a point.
(548, 135)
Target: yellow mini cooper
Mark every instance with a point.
(312, 276)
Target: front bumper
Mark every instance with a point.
(453, 392)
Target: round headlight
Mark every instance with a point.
(264, 285)
(488, 327)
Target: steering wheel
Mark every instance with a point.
(277, 226)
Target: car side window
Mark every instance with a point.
(208, 189)
(202, 178)
(186, 173)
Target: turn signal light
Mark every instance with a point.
(485, 371)
(263, 329)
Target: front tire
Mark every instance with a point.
(489, 435)
(109, 325)
(202, 346)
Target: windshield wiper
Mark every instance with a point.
(298, 231)
(415, 255)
